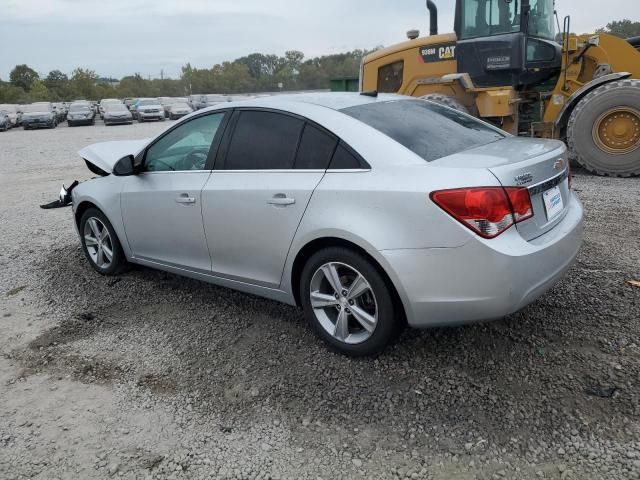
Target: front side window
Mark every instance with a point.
(483, 18)
(263, 141)
(429, 130)
(390, 77)
(184, 148)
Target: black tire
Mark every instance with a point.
(389, 319)
(118, 261)
(140, 120)
(581, 141)
(69, 124)
(445, 100)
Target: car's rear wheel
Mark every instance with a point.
(348, 302)
(100, 243)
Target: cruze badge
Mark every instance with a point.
(524, 178)
(559, 165)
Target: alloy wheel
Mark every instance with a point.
(98, 242)
(343, 302)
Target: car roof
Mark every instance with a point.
(331, 100)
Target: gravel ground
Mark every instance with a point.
(149, 375)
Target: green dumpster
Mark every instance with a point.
(345, 84)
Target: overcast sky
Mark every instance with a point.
(120, 37)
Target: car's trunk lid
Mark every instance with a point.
(541, 166)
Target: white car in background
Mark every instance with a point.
(179, 110)
(167, 102)
(148, 109)
(12, 112)
(103, 103)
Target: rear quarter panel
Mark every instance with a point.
(385, 209)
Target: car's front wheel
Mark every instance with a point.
(348, 302)
(100, 243)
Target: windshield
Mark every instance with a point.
(541, 19)
(484, 18)
(149, 101)
(179, 105)
(427, 129)
(79, 107)
(116, 107)
(36, 107)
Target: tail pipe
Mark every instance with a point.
(433, 18)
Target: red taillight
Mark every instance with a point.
(488, 211)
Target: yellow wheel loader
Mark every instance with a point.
(504, 65)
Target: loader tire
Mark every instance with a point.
(446, 100)
(603, 134)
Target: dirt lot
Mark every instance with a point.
(149, 375)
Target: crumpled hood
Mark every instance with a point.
(105, 155)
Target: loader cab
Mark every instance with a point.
(507, 42)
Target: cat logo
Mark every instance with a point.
(447, 53)
(438, 53)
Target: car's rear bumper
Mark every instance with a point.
(483, 279)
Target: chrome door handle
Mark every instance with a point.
(281, 200)
(185, 199)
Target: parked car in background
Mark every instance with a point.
(80, 113)
(214, 99)
(61, 111)
(196, 102)
(40, 114)
(12, 112)
(148, 109)
(5, 121)
(168, 101)
(117, 113)
(179, 110)
(104, 102)
(128, 101)
(369, 213)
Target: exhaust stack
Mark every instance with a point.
(433, 18)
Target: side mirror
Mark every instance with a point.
(125, 167)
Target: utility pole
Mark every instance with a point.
(161, 74)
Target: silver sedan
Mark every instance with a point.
(369, 212)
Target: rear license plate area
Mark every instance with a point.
(553, 203)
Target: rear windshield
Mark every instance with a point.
(427, 129)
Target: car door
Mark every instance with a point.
(161, 206)
(264, 176)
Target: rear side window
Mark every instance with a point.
(316, 149)
(390, 77)
(263, 141)
(344, 159)
(427, 129)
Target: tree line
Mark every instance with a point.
(253, 73)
